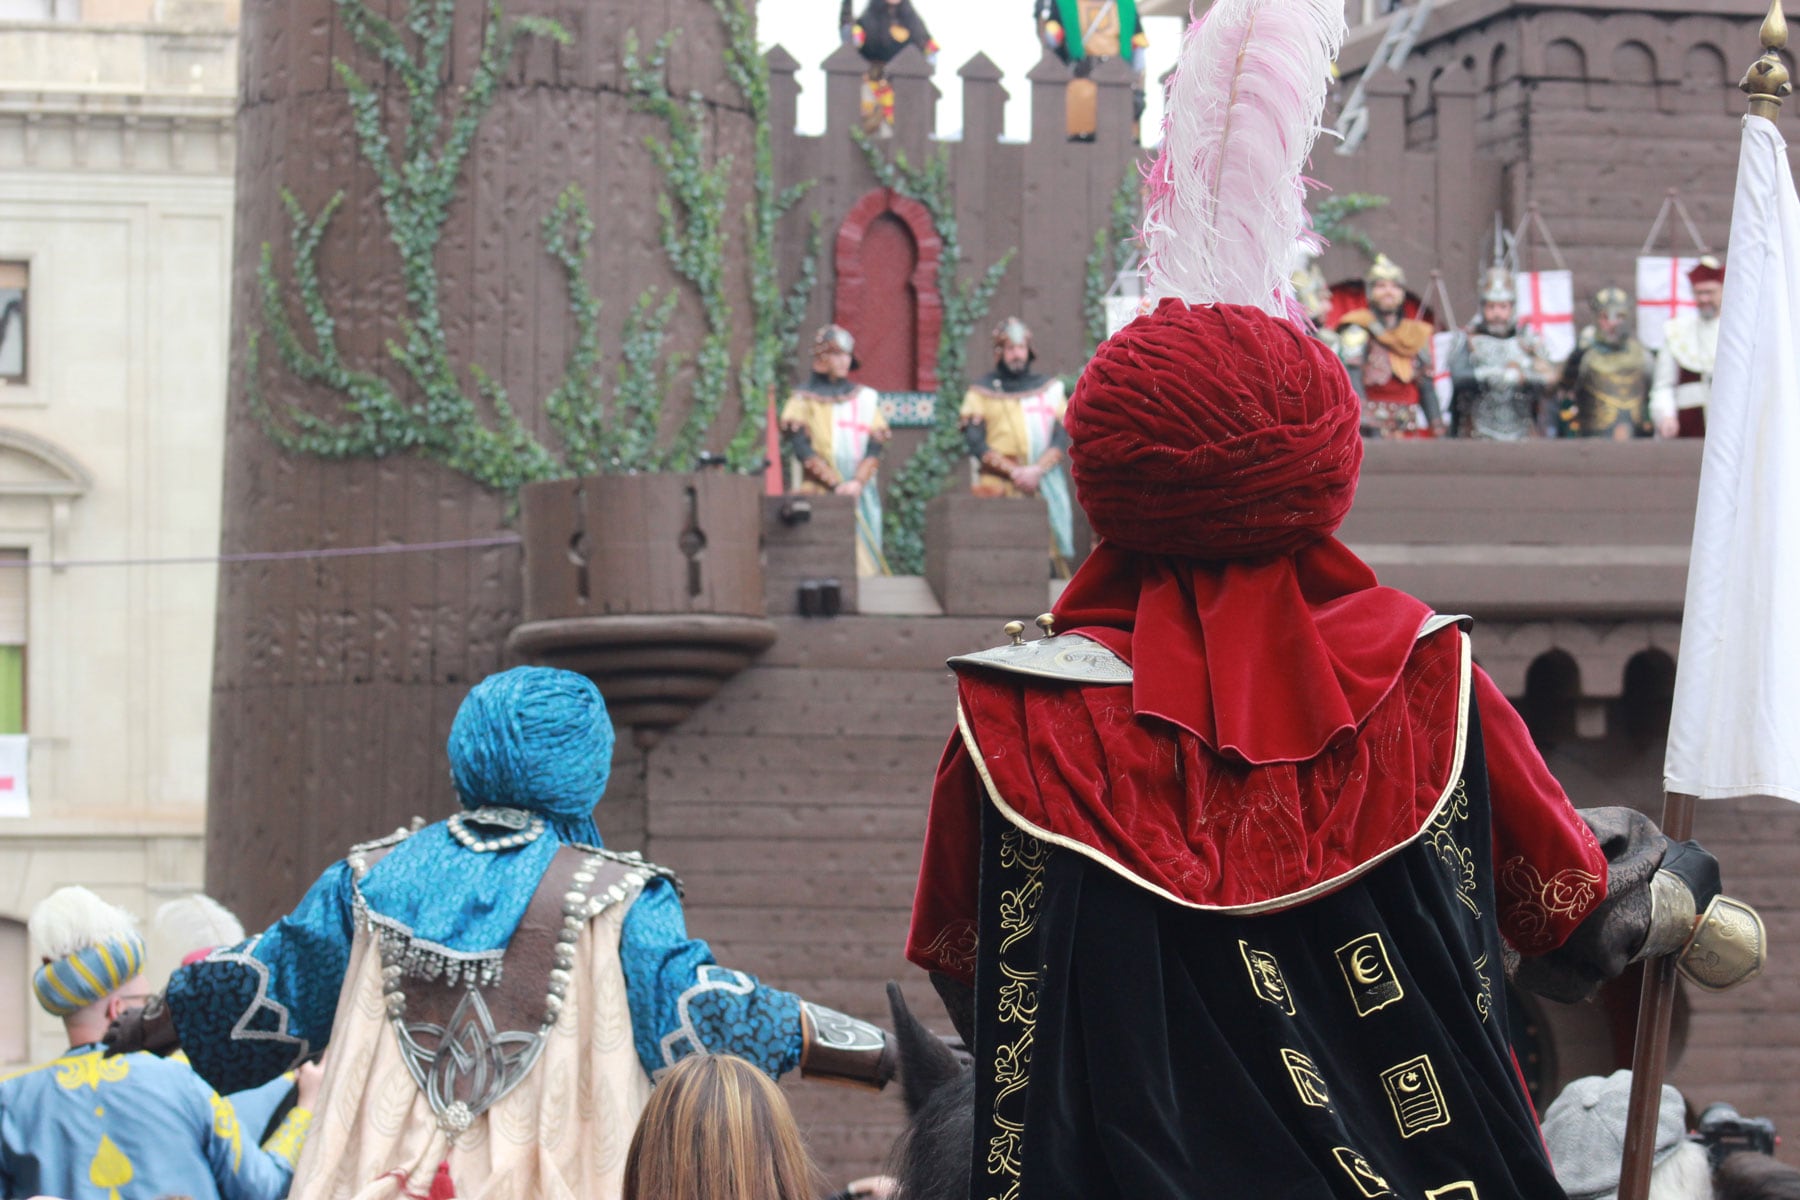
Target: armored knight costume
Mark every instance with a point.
(498, 989)
(1388, 357)
(1607, 379)
(1684, 365)
(834, 434)
(1011, 420)
(1219, 875)
(1497, 371)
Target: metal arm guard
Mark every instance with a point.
(1728, 947)
(841, 1049)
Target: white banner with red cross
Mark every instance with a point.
(1546, 306)
(1663, 293)
(1442, 345)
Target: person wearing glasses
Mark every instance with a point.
(133, 1126)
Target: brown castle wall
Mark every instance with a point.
(335, 680)
(1592, 110)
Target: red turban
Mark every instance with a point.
(1215, 450)
(1214, 432)
(1707, 270)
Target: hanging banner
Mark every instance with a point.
(1442, 346)
(1663, 293)
(15, 771)
(1546, 306)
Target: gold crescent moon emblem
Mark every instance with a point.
(1409, 1082)
(1365, 973)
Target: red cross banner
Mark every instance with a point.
(1547, 307)
(1442, 344)
(1663, 294)
(15, 767)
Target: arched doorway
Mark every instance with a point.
(887, 295)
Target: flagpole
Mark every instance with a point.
(1650, 1056)
(1766, 83)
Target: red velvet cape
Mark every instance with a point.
(1153, 801)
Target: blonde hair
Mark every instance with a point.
(717, 1128)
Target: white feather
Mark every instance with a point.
(71, 919)
(196, 922)
(1227, 203)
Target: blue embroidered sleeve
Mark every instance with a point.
(247, 1013)
(682, 1001)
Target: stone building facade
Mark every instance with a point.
(115, 225)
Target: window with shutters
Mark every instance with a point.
(14, 588)
(14, 286)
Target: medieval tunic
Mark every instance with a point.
(1193, 972)
(1684, 369)
(134, 1127)
(1498, 377)
(639, 995)
(1019, 418)
(1390, 368)
(841, 422)
(1609, 384)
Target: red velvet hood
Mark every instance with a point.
(1215, 450)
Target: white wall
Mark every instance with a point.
(112, 451)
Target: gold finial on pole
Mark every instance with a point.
(1766, 82)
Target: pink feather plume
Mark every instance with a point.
(1227, 202)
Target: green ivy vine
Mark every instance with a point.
(694, 218)
(966, 304)
(1331, 217)
(1120, 227)
(473, 427)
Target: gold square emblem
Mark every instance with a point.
(1412, 1090)
(1265, 977)
(1308, 1083)
(1369, 974)
(1364, 1176)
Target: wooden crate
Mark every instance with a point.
(988, 557)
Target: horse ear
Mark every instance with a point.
(926, 1063)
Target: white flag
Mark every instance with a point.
(1735, 729)
(1547, 308)
(1663, 293)
(1443, 345)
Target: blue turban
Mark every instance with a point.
(89, 975)
(535, 738)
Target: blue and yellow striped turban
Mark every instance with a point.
(91, 950)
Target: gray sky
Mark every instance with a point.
(1003, 30)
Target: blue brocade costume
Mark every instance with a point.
(87, 1127)
(472, 941)
(249, 1012)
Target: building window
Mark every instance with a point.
(14, 588)
(13, 287)
(15, 969)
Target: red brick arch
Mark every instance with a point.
(863, 313)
